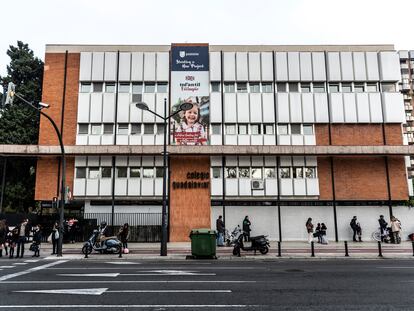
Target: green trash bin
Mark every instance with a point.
(203, 243)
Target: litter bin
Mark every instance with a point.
(203, 243)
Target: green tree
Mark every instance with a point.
(19, 124)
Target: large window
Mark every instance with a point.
(267, 87)
(216, 172)
(106, 172)
(108, 128)
(81, 172)
(281, 87)
(148, 172)
(333, 88)
(231, 172)
(255, 129)
(269, 172)
(254, 87)
(298, 172)
(293, 87)
(85, 87)
(134, 172)
(97, 87)
(284, 172)
(136, 88)
(346, 87)
(162, 88)
(388, 87)
(93, 173)
(229, 87)
(135, 128)
(268, 129)
(244, 172)
(305, 87)
(242, 129)
(123, 128)
(216, 129)
(283, 129)
(109, 87)
(307, 129)
(295, 129)
(149, 88)
(319, 87)
(231, 129)
(241, 87)
(148, 128)
(121, 172)
(215, 87)
(257, 173)
(96, 129)
(123, 88)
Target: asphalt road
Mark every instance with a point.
(283, 284)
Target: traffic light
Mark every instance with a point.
(10, 93)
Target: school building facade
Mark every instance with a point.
(292, 132)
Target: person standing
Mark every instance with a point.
(37, 239)
(359, 231)
(23, 228)
(124, 235)
(309, 229)
(396, 228)
(324, 239)
(3, 235)
(383, 227)
(246, 229)
(220, 231)
(55, 237)
(353, 225)
(318, 232)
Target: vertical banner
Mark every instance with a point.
(190, 82)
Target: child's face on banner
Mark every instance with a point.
(191, 115)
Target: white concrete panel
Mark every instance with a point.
(242, 67)
(230, 107)
(297, 140)
(270, 161)
(123, 107)
(215, 66)
(258, 193)
(318, 66)
(121, 185)
(286, 186)
(215, 107)
(81, 140)
(149, 66)
(137, 66)
(158, 186)
(216, 140)
(242, 107)
(347, 66)
(244, 161)
(254, 66)
(271, 186)
(268, 107)
(308, 111)
(134, 161)
(281, 66)
(217, 186)
(149, 99)
(293, 66)
(232, 186)
(147, 161)
(231, 161)
(295, 104)
(94, 140)
(215, 161)
(256, 140)
(79, 187)
(255, 107)
(312, 186)
(163, 66)
(93, 161)
(80, 161)
(268, 140)
(305, 66)
(334, 66)
(282, 107)
(362, 104)
(336, 108)
(92, 187)
(159, 140)
(298, 161)
(309, 140)
(243, 140)
(134, 186)
(257, 161)
(110, 66)
(230, 139)
(148, 140)
(393, 107)
(389, 64)
(321, 108)
(122, 140)
(96, 108)
(147, 187)
(299, 186)
(83, 107)
(311, 161)
(121, 161)
(350, 108)
(105, 186)
(375, 107)
(108, 107)
(106, 161)
(372, 66)
(245, 187)
(97, 66)
(285, 161)
(283, 140)
(267, 66)
(135, 114)
(229, 59)
(216, 211)
(406, 215)
(124, 66)
(360, 72)
(85, 68)
(159, 104)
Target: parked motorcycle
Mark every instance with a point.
(231, 238)
(258, 243)
(111, 245)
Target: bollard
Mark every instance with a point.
(413, 247)
(120, 253)
(313, 249)
(379, 249)
(279, 249)
(346, 249)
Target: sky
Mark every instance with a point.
(258, 22)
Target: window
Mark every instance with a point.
(257, 173)
(135, 128)
(244, 172)
(123, 88)
(282, 129)
(134, 172)
(108, 128)
(81, 172)
(254, 88)
(333, 88)
(229, 87)
(269, 172)
(121, 172)
(216, 129)
(230, 129)
(148, 172)
(160, 128)
(293, 87)
(307, 129)
(148, 128)
(149, 88)
(305, 87)
(109, 87)
(93, 173)
(281, 87)
(372, 87)
(97, 87)
(268, 129)
(85, 87)
(215, 87)
(216, 172)
(241, 87)
(136, 88)
(267, 87)
(298, 172)
(310, 172)
(159, 172)
(255, 129)
(96, 129)
(319, 87)
(231, 172)
(359, 87)
(242, 129)
(388, 87)
(123, 129)
(284, 172)
(106, 172)
(346, 87)
(162, 88)
(295, 129)
(83, 128)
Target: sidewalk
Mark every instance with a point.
(179, 251)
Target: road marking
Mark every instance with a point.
(107, 275)
(391, 267)
(10, 276)
(172, 291)
(6, 267)
(124, 306)
(107, 281)
(166, 274)
(20, 263)
(100, 291)
(32, 260)
(123, 263)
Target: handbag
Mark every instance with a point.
(49, 238)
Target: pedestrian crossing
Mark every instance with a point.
(17, 264)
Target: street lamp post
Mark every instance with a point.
(183, 107)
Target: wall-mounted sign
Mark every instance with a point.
(195, 180)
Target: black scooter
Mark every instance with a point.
(259, 243)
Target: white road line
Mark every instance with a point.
(107, 275)
(7, 267)
(32, 260)
(10, 276)
(20, 263)
(106, 281)
(172, 291)
(391, 267)
(167, 274)
(124, 306)
(100, 291)
(123, 263)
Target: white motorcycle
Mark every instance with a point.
(231, 238)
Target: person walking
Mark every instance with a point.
(23, 235)
(55, 237)
(3, 235)
(324, 239)
(395, 229)
(246, 229)
(309, 229)
(383, 227)
(353, 225)
(220, 231)
(124, 235)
